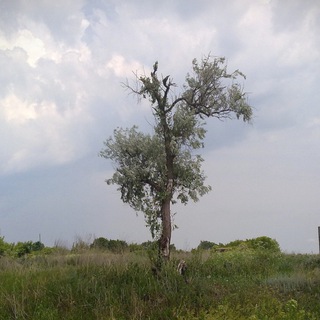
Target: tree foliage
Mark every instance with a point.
(19, 249)
(155, 170)
(115, 246)
(206, 245)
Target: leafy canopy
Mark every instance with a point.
(152, 167)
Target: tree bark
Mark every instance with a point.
(165, 239)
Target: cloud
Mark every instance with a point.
(62, 64)
(41, 108)
(41, 135)
(43, 98)
(121, 67)
(33, 46)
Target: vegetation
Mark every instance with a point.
(241, 283)
(116, 246)
(153, 171)
(263, 243)
(19, 249)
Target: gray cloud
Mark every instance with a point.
(62, 65)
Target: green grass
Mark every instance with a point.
(98, 285)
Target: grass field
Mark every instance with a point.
(99, 285)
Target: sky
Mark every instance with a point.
(61, 95)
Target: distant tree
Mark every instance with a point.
(206, 245)
(100, 243)
(135, 247)
(116, 246)
(4, 246)
(264, 243)
(37, 246)
(23, 248)
(260, 243)
(235, 243)
(154, 171)
(149, 244)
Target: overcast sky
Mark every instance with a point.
(62, 64)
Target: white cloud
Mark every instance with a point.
(16, 111)
(25, 40)
(43, 109)
(121, 67)
(41, 134)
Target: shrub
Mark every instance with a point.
(264, 243)
(206, 245)
(100, 243)
(260, 243)
(23, 248)
(116, 246)
(4, 246)
(37, 246)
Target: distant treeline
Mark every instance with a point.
(21, 249)
(260, 243)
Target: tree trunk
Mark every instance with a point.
(165, 239)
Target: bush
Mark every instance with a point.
(19, 249)
(37, 246)
(206, 245)
(4, 246)
(115, 246)
(23, 248)
(264, 243)
(256, 244)
(100, 243)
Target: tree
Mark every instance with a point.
(155, 170)
(206, 245)
(4, 247)
(23, 248)
(37, 246)
(116, 246)
(100, 243)
(264, 243)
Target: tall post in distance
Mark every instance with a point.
(319, 238)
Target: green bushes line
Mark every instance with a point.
(21, 249)
(260, 243)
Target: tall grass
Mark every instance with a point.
(99, 285)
